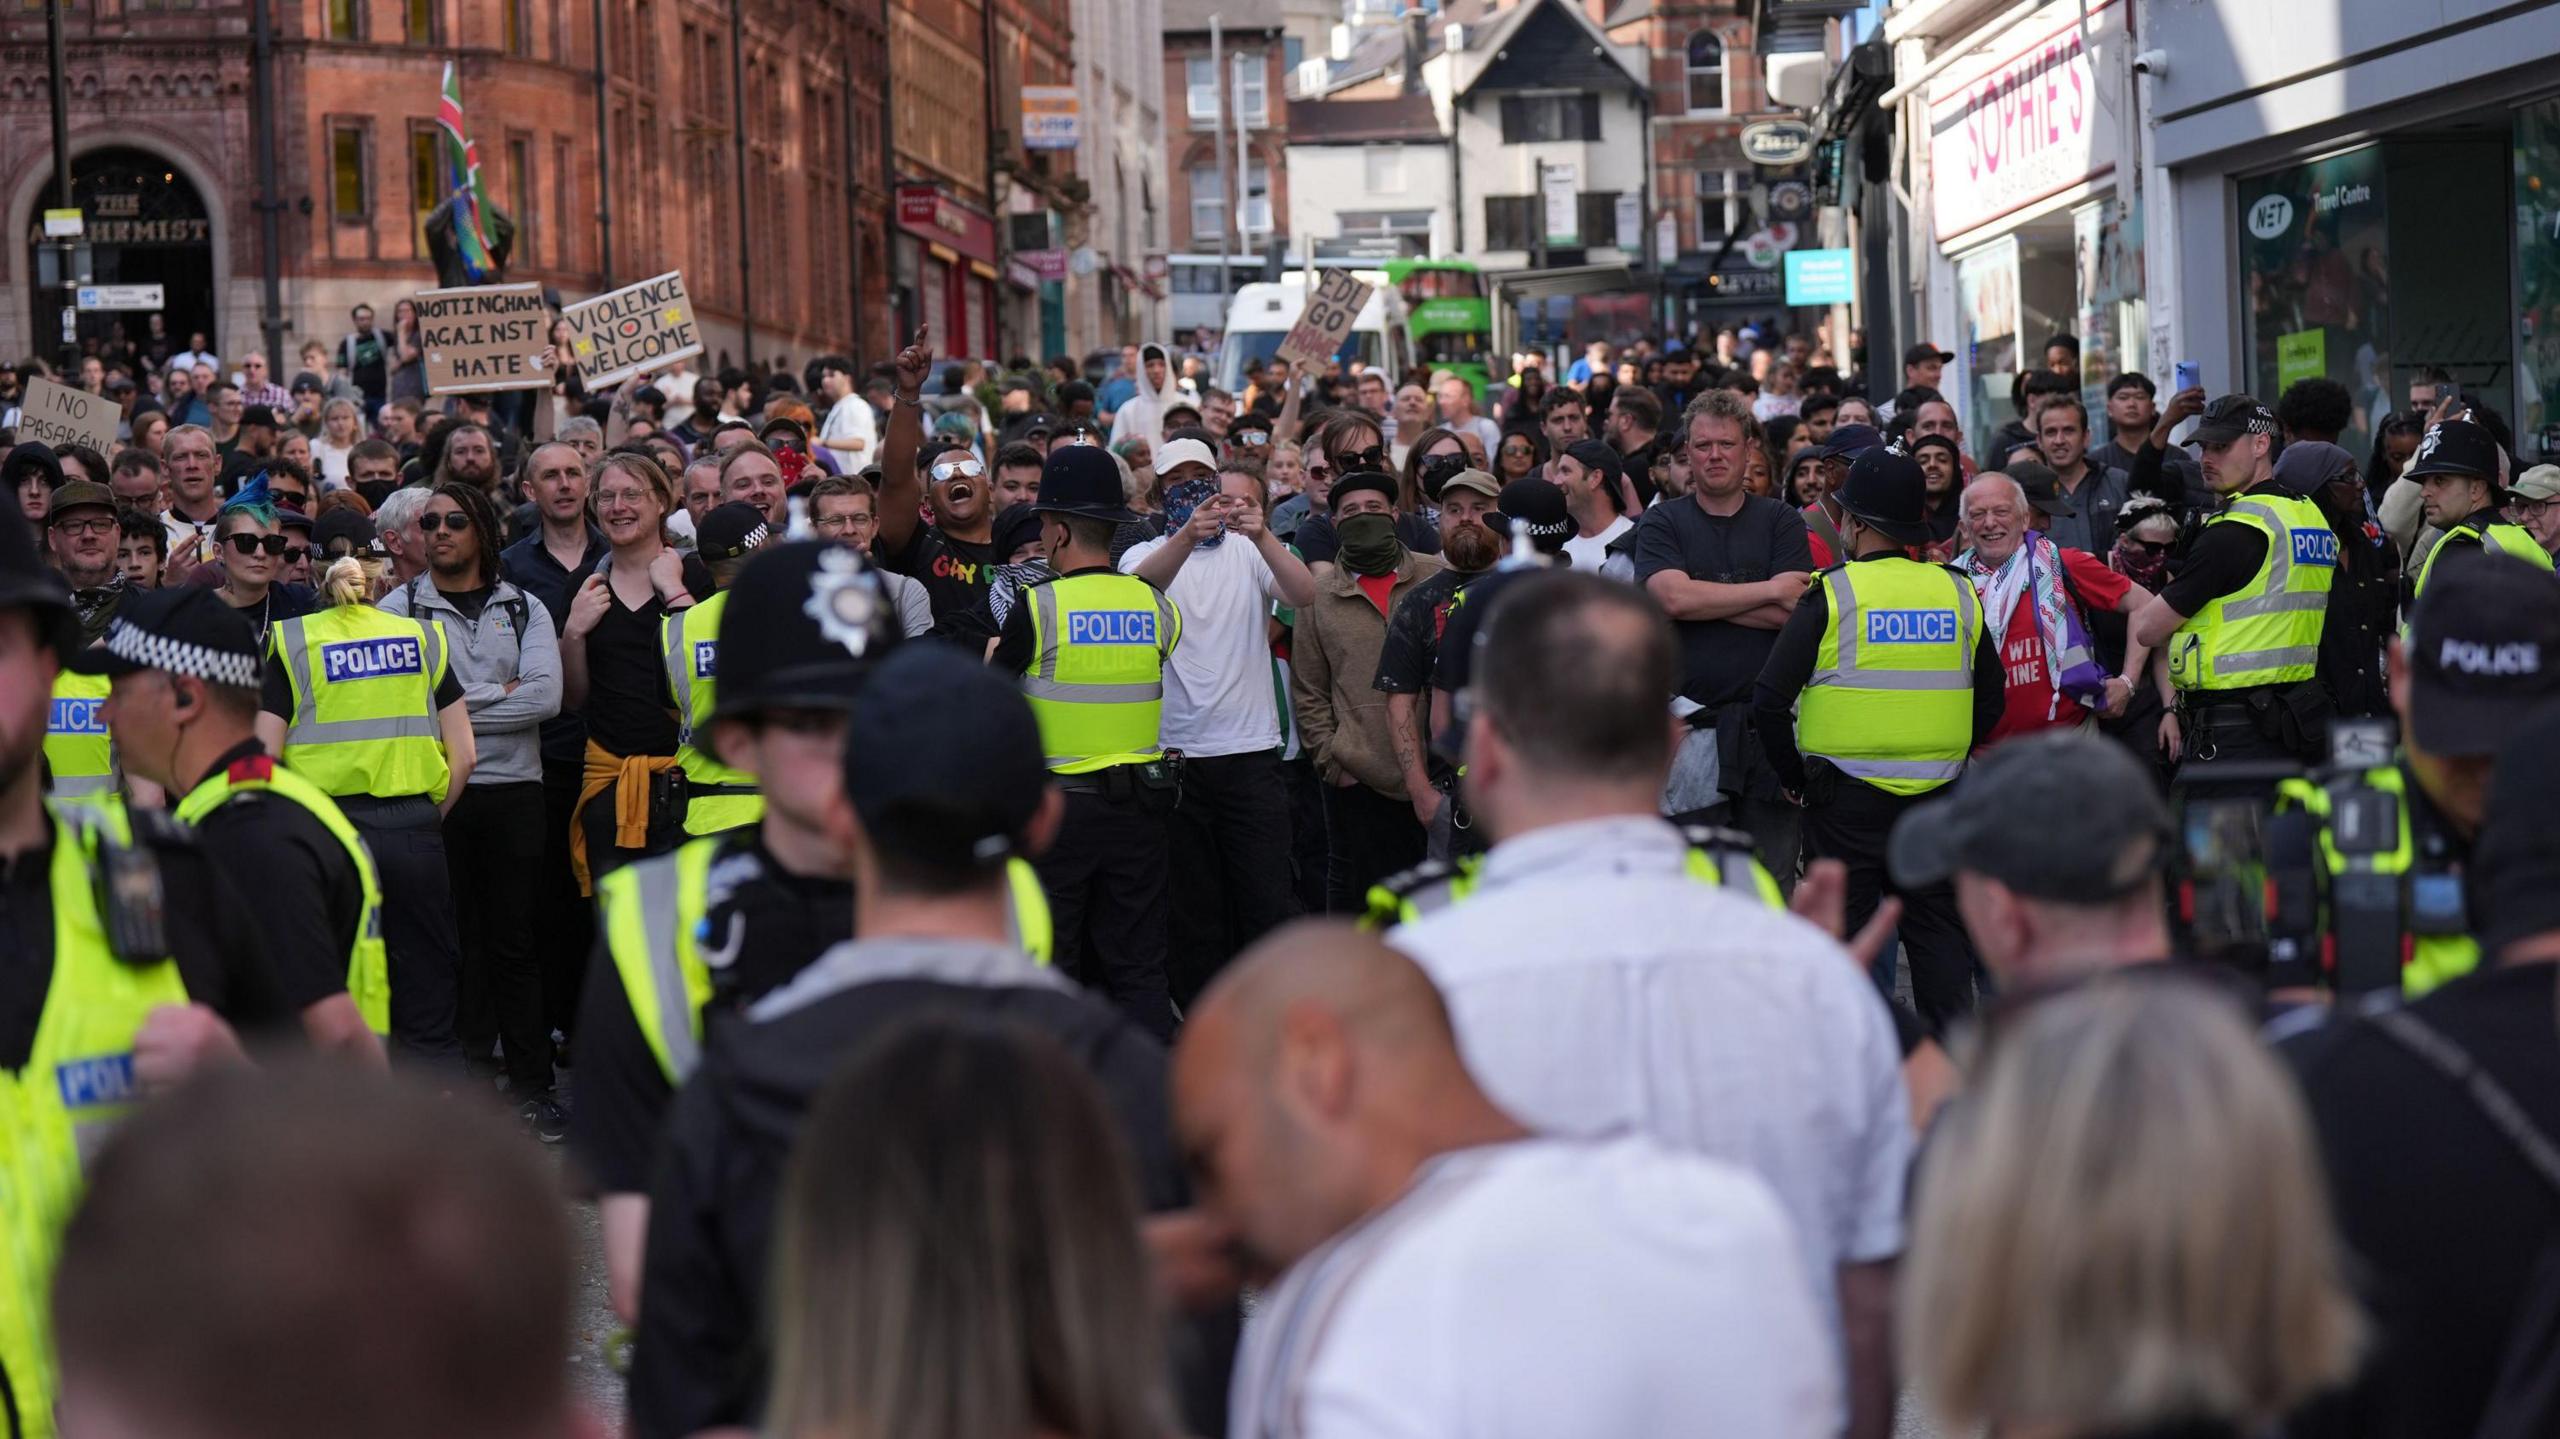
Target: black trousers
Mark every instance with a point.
(1105, 880)
(1306, 833)
(406, 839)
(564, 921)
(1230, 864)
(1851, 824)
(1368, 837)
(493, 849)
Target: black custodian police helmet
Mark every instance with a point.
(1887, 492)
(1081, 480)
(803, 625)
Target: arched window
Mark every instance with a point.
(1706, 74)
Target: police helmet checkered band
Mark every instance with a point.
(755, 538)
(139, 646)
(845, 601)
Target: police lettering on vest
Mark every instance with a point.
(370, 659)
(2315, 547)
(2523, 657)
(706, 658)
(90, 1083)
(78, 715)
(1112, 627)
(1910, 627)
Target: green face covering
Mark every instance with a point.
(1369, 544)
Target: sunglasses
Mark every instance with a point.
(959, 469)
(2152, 547)
(1372, 458)
(454, 520)
(1254, 439)
(250, 544)
(297, 554)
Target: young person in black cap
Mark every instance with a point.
(2462, 474)
(1091, 646)
(184, 668)
(1588, 473)
(1887, 678)
(942, 783)
(2243, 616)
(730, 916)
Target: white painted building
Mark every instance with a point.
(1120, 85)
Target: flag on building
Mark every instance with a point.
(462, 162)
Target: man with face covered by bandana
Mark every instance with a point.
(1224, 570)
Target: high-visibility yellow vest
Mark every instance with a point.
(717, 797)
(368, 967)
(58, 1108)
(1891, 700)
(2498, 538)
(77, 749)
(2427, 960)
(1718, 857)
(654, 918)
(1096, 681)
(2266, 632)
(364, 702)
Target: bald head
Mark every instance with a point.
(1314, 1077)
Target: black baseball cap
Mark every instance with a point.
(731, 530)
(1019, 525)
(1887, 491)
(343, 524)
(2457, 447)
(2483, 653)
(1922, 354)
(2514, 875)
(2057, 816)
(262, 415)
(2043, 487)
(943, 762)
(1537, 506)
(1847, 442)
(2231, 417)
(184, 631)
(307, 381)
(1599, 456)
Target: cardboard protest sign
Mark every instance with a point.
(483, 338)
(622, 332)
(58, 415)
(1327, 320)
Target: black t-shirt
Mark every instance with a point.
(2223, 559)
(366, 354)
(1454, 666)
(277, 689)
(1414, 632)
(2441, 1213)
(1763, 539)
(310, 899)
(954, 572)
(629, 710)
(469, 602)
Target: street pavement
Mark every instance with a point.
(592, 1323)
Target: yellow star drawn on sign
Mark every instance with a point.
(586, 347)
(672, 315)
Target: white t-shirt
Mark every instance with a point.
(851, 419)
(1547, 1289)
(1219, 696)
(1586, 554)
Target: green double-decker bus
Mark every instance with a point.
(1448, 316)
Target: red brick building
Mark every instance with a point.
(165, 137)
(1202, 193)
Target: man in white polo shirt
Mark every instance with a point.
(1224, 569)
(1430, 1266)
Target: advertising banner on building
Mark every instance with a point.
(646, 326)
(1051, 117)
(2024, 124)
(484, 338)
(2314, 251)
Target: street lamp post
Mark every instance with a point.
(68, 246)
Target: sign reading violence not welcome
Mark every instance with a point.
(484, 338)
(622, 332)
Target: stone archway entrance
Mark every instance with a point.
(147, 224)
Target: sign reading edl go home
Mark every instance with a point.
(2023, 124)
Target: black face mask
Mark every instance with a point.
(1369, 544)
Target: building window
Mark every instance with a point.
(1200, 92)
(1706, 74)
(1292, 51)
(419, 17)
(426, 182)
(1253, 95)
(1715, 207)
(564, 203)
(1384, 166)
(517, 25)
(1528, 119)
(346, 19)
(1599, 218)
(520, 196)
(350, 198)
(1208, 202)
(1511, 222)
(1257, 199)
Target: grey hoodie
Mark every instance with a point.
(512, 641)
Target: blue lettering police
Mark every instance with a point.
(706, 656)
(2315, 547)
(1910, 627)
(107, 1079)
(369, 659)
(1112, 627)
(79, 716)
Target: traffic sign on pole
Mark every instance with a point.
(121, 297)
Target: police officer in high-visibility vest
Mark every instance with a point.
(126, 960)
(722, 919)
(2243, 614)
(364, 705)
(80, 530)
(185, 670)
(2461, 473)
(717, 798)
(1090, 646)
(1882, 681)
(2483, 655)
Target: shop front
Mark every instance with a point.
(945, 252)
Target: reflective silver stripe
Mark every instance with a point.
(1168, 623)
(1844, 599)
(83, 786)
(680, 675)
(1898, 768)
(2274, 599)
(1895, 679)
(357, 731)
(1044, 608)
(658, 926)
(2270, 659)
(432, 653)
(297, 663)
(1047, 689)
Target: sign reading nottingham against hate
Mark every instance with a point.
(58, 415)
(484, 338)
(638, 327)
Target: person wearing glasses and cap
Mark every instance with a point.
(2533, 504)
(2461, 472)
(1882, 681)
(954, 557)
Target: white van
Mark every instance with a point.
(1262, 315)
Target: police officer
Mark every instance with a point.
(77, 748)
(727, 917)
(2394, 839)
(1091, 647)
(2461, 474)
(185, 671)
(126, 960)
(717, 798)
(2243, 615)
(1885, 678)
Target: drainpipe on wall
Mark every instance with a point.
(262, 92)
